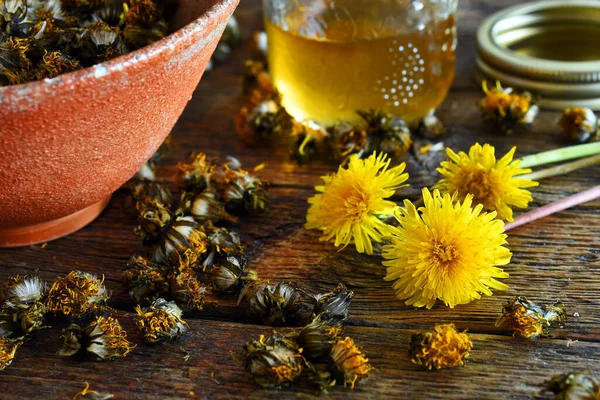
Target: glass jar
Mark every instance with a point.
(330, 58)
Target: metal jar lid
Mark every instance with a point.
(550, 48)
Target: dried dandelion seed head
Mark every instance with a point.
(243, 193)
(507, 108)
(351, 363)
(8, 348)
(579, 124)
(77, 293)
(187, 290)
(22, 290)
(161, 322)
(144, 279)
(273, 303)
(195, 176)
(317, 339)
(274, 361)
(495, 184)
(528, 320)
(349, 206)
(442, 347)
(333, 307)
(102, 339)
(386, 133)
(445, 250)
(575, 386)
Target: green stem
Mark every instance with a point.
(562, 154)
(562, 169)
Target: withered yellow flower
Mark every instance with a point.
(350, 361)
(161, 322)
(77, 293)
(350, 204)
(575, 386)
(528, 320)
(493, 183)
(442, 347)
(8, 348)
(445, 250)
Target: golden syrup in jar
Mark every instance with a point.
(361, 63)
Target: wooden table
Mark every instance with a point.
(557, 258)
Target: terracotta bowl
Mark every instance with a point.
(67, 143)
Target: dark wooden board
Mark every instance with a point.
(557, 258)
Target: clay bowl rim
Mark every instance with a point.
(119, 64)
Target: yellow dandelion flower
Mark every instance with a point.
(493, 183)
(445, 250)
(352, 201)
(442, 347)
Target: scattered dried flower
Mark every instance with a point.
(445, 250)
(493, 184)
(317, 339)
(77, 293)
(333, 307)
(241, 192)
(579, 124)
(8, 348)
(257, 79)
(309, 136)
(575, 386)
(195, 176)
(274, 303)
(507, 108)
(187, 290)
(144, 279)
(347, 139)
(430, 126)
(350, 362)
(161, 322)
(442, 347)
(351, 203)
(262, 121)
(528, 320)
(386, 133)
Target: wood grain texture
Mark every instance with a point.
(557, 258)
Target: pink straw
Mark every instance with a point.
(557, 206)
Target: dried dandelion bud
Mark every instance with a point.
(54, 64)
(137, 36)
(187, 290)
(24, 319)
(347, 139)
(262, 121)
(317, 339)
(430, 126)
(429, 155)
(442, 347)
(101, 43)
(579, 124)
(204, 207)
(273, 303)
(528, 320)
(333, 307)
(195, 176)
(223, 241)
(386, 133)
(102, 339)
(146, 193)
(22, 290)
(230, 275)
(144, 279)
(256, 78)
(14, 19)
(309, 138)
(243, 193)
(8, 348)
(77, 293)
(274, 361)
(350, 363)
(507, 108)
(161, 322)
(14, 64)
(575, 386)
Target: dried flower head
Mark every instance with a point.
(204, 207)
(54, 64)
(187, 290)
(349, 362)
(274, 303)
(347, 139)
(161, 322)
(145, 193)
(386, 133)
(262, 121)
(575, 386)
(428, 155)
(195, 176)
(229, 275)
(258, 80)
(8, 348)
(333, 307)
(528, 320)
(445, 250)
(507, 108)
(22, 290)
(22, 319)
(145, 279)
(442, 347)
(102, 339)
(493, 184)
(242, 193)
(77, 293)
(579, 124)
(351, 203)
(430, 126)
(317, 339)
(309, 136)
(274, 361)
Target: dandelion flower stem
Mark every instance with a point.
(562, 154)
(563, 168)
(549, 209)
